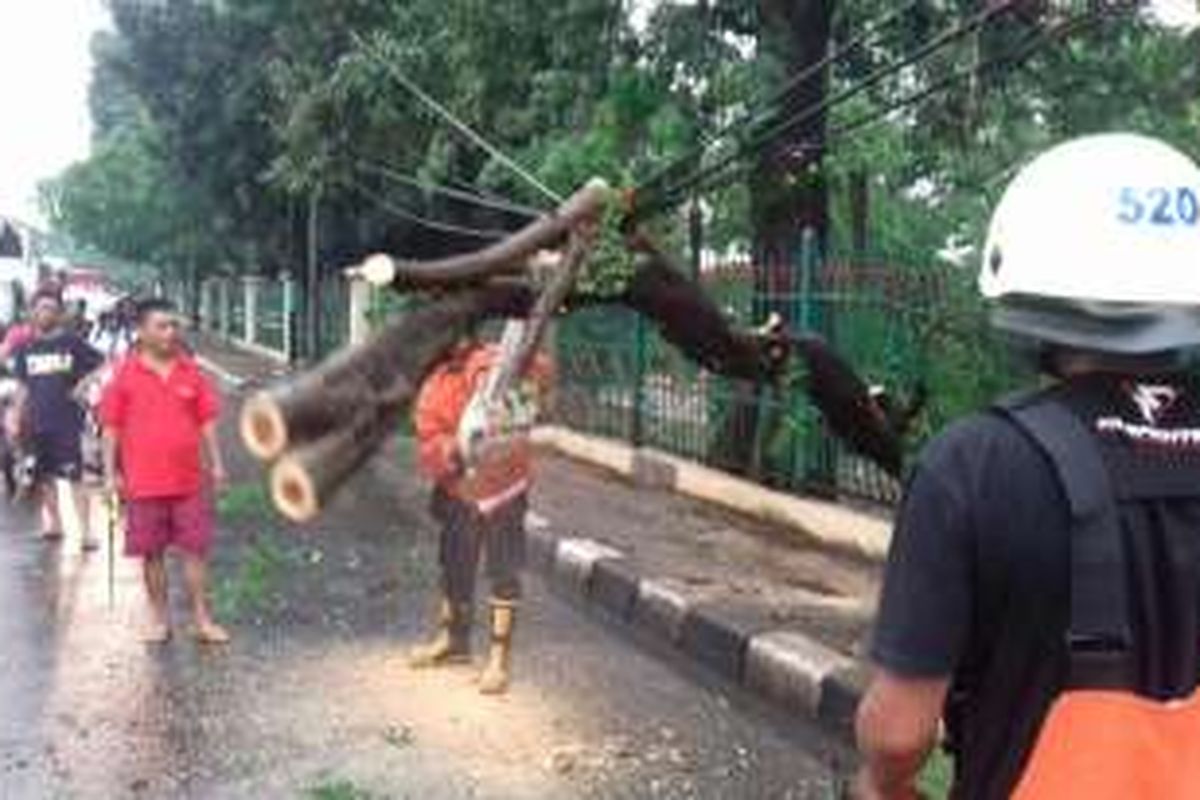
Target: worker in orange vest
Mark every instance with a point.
(480, 497)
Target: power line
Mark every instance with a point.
(426, 222)
(957, 31)
(413, 181)
(466, 130)
(781, 94)
(1010, 60)
(1007, 61)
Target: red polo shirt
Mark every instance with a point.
(158, 422)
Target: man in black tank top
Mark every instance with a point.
(978, 619)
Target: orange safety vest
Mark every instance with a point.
(1101, 744)
(506, 472)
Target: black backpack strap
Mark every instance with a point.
(1099, 585)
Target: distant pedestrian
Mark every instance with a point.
(159, 415)
(111, 335)
(20, 333)
(51, 367)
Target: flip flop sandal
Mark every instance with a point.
(209, 639)
(157, 638)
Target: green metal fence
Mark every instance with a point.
(270, 322)
(899, 325)
(334, 310)
(237, 309)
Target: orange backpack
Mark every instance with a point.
(1104, 737)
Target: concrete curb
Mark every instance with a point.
(830, 525)
(785, 667)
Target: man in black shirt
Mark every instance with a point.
(986, 595)
(50, 368)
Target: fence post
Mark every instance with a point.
(821, 471)
(360, 311)
(206, 306)
(638, 432)
(250, 309)
(225, 312)
(289, 316)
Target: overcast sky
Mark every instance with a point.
(45, 66)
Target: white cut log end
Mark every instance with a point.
(597, 185)
(262, 427)
(378, 270)
(293, 492)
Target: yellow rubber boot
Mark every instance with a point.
(496, 673)
(451, 643)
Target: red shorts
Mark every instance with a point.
(156, 523)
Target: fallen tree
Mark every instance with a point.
(320, 426)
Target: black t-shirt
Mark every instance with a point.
(977, 584)
(51, 367)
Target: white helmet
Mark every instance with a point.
(1096, 244)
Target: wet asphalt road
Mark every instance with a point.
(313, 698)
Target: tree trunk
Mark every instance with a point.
(788, 194)
(304, 480)
(384, 370)
(788, 187)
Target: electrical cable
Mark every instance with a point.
(462, 127)
(413, 181)
(925, 51)
(780, 94)
(426, 222)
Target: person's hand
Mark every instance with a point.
(452, 455)
(220, 478)
(112, 485)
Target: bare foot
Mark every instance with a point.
(157, 633)
(211, 633)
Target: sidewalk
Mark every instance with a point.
(756, 604)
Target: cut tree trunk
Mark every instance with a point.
(321, 400)
(303, 481)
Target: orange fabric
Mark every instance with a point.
(1104, 745)
(443, 398)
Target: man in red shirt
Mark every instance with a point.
(159, 411)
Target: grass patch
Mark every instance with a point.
(339, 790)
(254, 584)
(937, 776)
(244, 501)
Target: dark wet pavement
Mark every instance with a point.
(314, 696)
